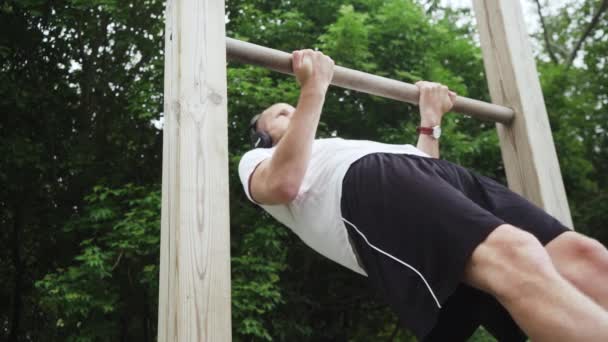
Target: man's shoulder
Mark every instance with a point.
(329, 141)
(251, 158)
(258, 152)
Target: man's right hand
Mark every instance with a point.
(313, 70)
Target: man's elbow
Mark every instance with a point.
(286, 192)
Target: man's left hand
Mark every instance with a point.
(435, 100)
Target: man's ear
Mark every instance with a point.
(261, 139)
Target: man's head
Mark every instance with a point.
(273, 122)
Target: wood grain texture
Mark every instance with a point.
(194, 289)
(280, 61)
(528, 150)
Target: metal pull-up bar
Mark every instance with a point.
(280, 61)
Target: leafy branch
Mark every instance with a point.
(596, 18)
(546, 33)
(586, 33)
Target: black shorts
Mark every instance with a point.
(415, 222)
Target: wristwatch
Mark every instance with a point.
(434, 131)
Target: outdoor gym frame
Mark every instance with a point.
(194, 288)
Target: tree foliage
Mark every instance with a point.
(81, 103)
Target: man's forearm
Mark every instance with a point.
(427, 143)
(292, 155)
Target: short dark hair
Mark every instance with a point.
(253, 124)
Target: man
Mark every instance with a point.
(447, 249)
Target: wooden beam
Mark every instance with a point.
(361, 81)
(194, 289)
(528, 150)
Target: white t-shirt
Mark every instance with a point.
(315, 214)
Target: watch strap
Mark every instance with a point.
(434, 132)
(424, 130)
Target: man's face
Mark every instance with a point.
(275, 120)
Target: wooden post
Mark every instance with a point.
(528, 150)
(194, 289)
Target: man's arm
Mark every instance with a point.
(277, 180)
(426, 143)
(435, 101)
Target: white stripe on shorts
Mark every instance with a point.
(398, 260)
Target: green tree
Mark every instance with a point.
(573, 72)
(79, 83)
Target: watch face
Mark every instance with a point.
(436, 132)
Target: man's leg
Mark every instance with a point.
(515, 268)
(584, 262)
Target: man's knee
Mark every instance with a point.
(575, 253)
(586, 248)
(509, 264)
